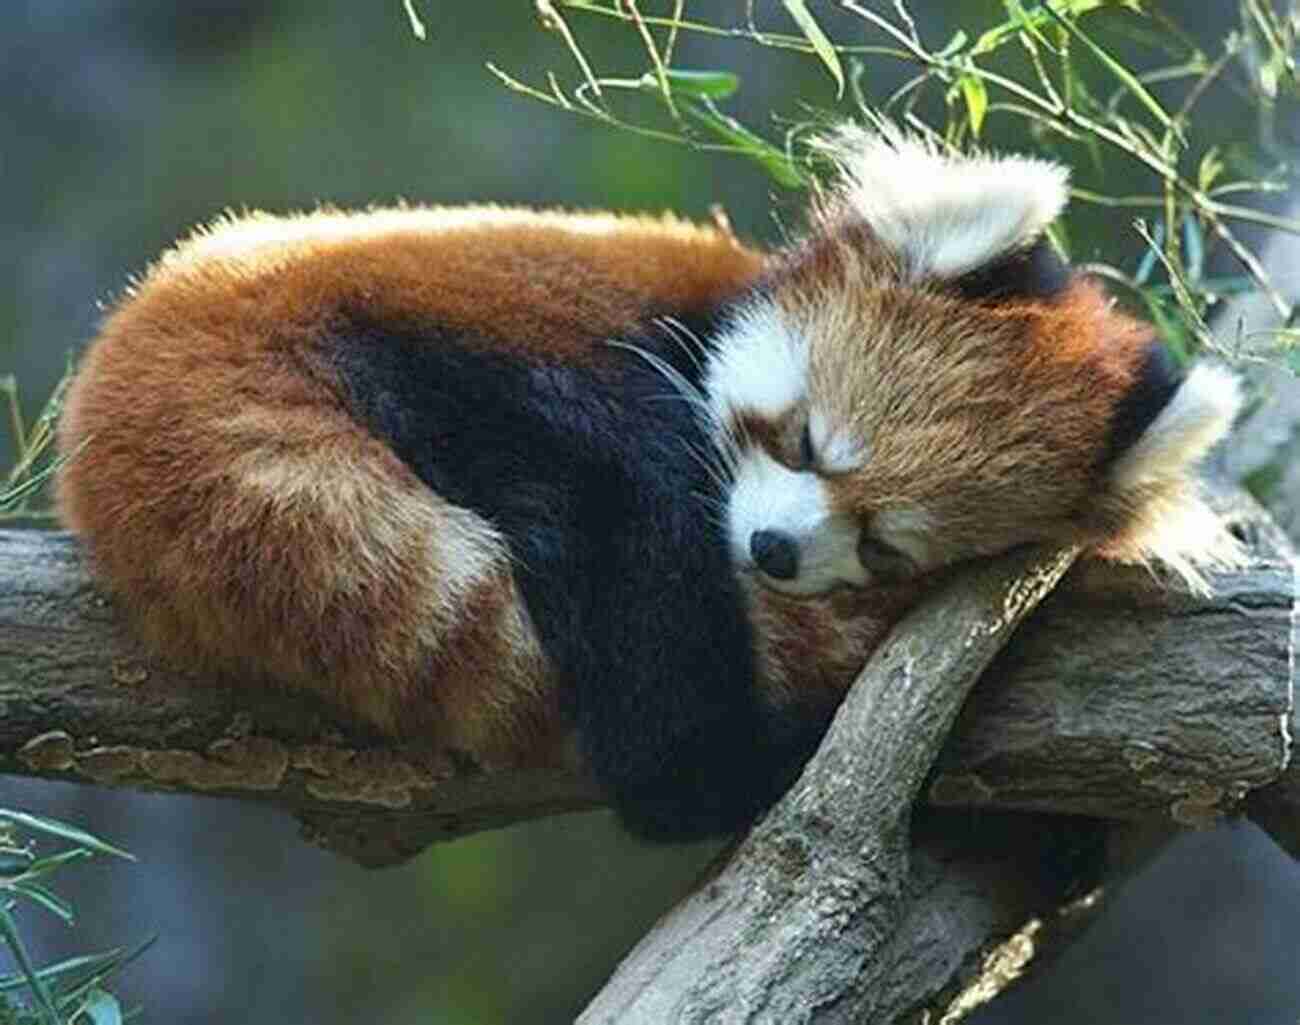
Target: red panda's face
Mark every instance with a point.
(889, 431)
(922, 381)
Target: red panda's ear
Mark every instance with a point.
(1161, 429)
(944, 216)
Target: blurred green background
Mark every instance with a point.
(123, 123)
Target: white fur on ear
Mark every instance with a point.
(1198, 415)
(1172, 522)
(943, 214)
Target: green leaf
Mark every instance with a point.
(45, 866)
(11, 497)
(706, 85)
(417, 26)
(977, 100)
(1148, 261)
(113, 963)
(798, 10)
(776, 162)
(41, 824)
(14, 864)
(102, 1008)
(953, 45)
(1238, 284)
(1170, 328)
(46, 898)
(1211, 169)
(1032, 22)
(9, 933)
(1126, 77)
(74, 966)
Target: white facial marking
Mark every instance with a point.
(767, 496)
(836, 448)
(944, 214)
(759, 365)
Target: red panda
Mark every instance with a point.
(495, 477)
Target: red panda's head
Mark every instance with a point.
(922, 380)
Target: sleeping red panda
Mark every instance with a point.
(493, 477)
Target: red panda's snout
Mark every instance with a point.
(782, 526)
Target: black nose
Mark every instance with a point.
(776, 554)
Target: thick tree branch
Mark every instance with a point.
(1069, 720)
(794, 927)
(1119, 698)
(1126, 699)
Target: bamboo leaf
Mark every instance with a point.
(707, 85)
(1126, 78)
(776, 161)
(46, 898)
(1033, 21)
(1148, 262)
(953, 45)
(52, 863)
(102, 1008)
(977, 101)
(1211, 169)
(9, 934)
(112, 962)
(417, 26)
(803, 17)
(1193, 247)
(73, 966)
(41, 824)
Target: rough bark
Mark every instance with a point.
(794, 927)
(1067, 721)
(1264, 455)
(1137, 699)
(884, 929)
(828, 912)
(829, 906)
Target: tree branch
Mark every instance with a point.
(825, 914)
(793, 928)
(1181, 731)
(1119, 698)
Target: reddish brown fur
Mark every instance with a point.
(781, 436)
(811, 649)
(1011, 398)
(234, 506)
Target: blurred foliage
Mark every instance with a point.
(71, 992)
(35, 463)
(1092, 82)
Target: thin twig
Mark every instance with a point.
(661, 72)
(554, 22)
